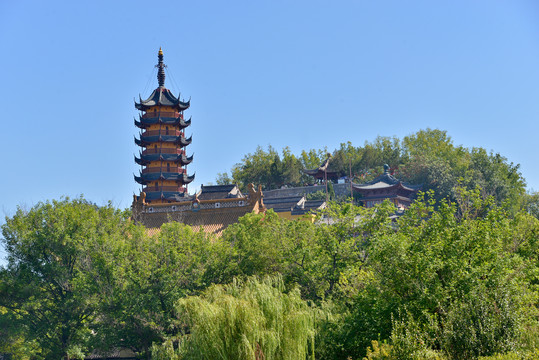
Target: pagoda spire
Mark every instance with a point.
(161, 66)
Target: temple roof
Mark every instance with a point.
(320, 174)
(287, 203)
(308, 206)
(297, 205)
(143, 179)
(211, 221)
(179, 158)
(144, 122)
(385, 181)
(161, 96)
(166, 195)
(214, 192)
(176, 139)
(322, 171)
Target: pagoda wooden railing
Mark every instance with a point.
(151, 114)
(164, 169)
(162, 132)
(163, 151)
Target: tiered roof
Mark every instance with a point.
(182, 159)
(386, 186)
(144, 178)
(153, 159)
(162, 97)
(144, 122)
(385, 181)
(146, 140)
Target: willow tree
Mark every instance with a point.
(248, 320)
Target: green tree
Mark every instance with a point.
(150, 275)
(247, 320)
(292, 169)
(57, 253)
(223, 179)
(531, 203)
(433, 267)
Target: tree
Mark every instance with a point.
(223, 179)
(292, 169)
(531, 203)
(150, 275)
(428, 157)
(57, 256)
(254, 319)
(447, 269)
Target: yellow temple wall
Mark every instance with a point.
(288, 215)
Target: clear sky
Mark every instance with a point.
(303, 74)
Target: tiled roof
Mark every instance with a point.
(124, 354)
(162, 97)
(213, 221)
(385, 181)
(314, 204)
(284, 203)
(215, 192)
(297, 205)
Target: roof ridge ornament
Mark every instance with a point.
(161, 66)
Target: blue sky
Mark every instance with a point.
(304, 74)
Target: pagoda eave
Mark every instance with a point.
(162, 97)
(180, 178)
(154, 139)
(144, 123)
(177, 158)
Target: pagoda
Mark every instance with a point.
(162, 140)
(164, 197)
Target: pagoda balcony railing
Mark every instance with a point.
(151, 114)
(172, 169)
(163, 188)
(162, 132)
(163, 151)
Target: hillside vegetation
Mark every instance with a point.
(456, 277)
(446, 281)
(427, 157)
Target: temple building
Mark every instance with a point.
(386, 186)
(162, 139)
(323, 173)
(163, 160)
(294, 207)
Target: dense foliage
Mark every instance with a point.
(455, 277)
(445, 281)
(427, 157)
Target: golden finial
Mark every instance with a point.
(161, 67)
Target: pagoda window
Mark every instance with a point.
(168, 167)
(166, 130)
